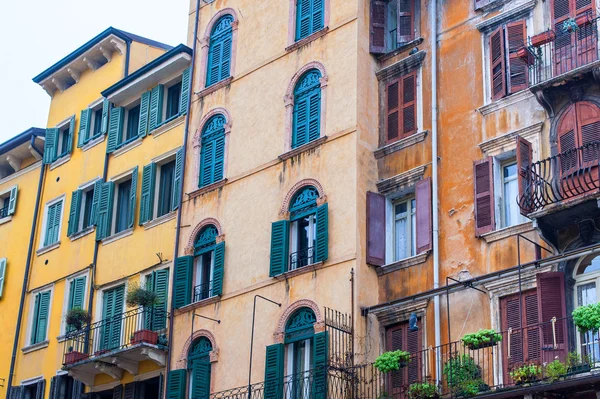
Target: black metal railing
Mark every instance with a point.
(3, 212)
(303, 257)
(341, 338)
(564, 176)
(572, 44)
(141, 325)
(203, 291)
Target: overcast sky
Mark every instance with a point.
(37, 33)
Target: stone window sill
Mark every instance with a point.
(401, 49)
(199, 304)
(35, 347)
(506, 232)
(160, 220)
(403, 264)
(60, 161)
(206, 189)
(400, 144)
(5, 220)
(94, 142)
(299, 271)
(127, 147)
(118, 236)
(215, 87)
(47, 248)
(504, 102)
(168, 125)
(82, 233)
(307, 39)
(303, 148)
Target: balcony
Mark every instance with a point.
(117, 344)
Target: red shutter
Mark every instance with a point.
(524, 181)
(409, 104)
(567, 141)
(497, 64)
(563, 49)
(375, 229)
(423, 214)
(516, 37)
(393, 112)
(413, 346)
(378, 26)
(588, 122)
(395, 340)
(406, 14)
(551, 303)
(398, 337)
(485, 220)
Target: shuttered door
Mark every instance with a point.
(567, 141)
(320, 348)
(176, 384)
(564, 53)
(378, 26)
(398, 337)
(516, 37)
(484, 196)
(497, 64)
(160, 285)
(279, 247)
(182, 281)
(200, 378)
(551, 304)
(322, 229)
(375, 229)
(218, 269)
(587, 34)
(112, 313)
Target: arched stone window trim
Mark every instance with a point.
(288, 100)
(292, 22)
(214, 354)
(205, 44)
(279, 334)
(189, 249)
(285, 206)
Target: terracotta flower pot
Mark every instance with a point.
(74, 357)
(526, 56)
(147, 336)
(543, 38)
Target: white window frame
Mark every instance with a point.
(123, 177)
(45, 221)
(579, 281)
(3, 195)
(86, 274)
(498, 163)
(31, 313)
(197, 278)
(390, 223)
(312, 236)
(167, 86)
(65, 124)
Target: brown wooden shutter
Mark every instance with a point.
(485, 219)
(409, 104)
(516, 37)
(551, 303)
(497, 64)
(393, 112)
(375, 229)
(406, 14)
(588, 123)
(524, 181)
(563, 49)
(378, 26)
(423, 214)
(398, 337)
(413, 346)
(395, 340)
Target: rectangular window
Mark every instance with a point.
(405, 224)
(122, 209)
(165, 188)
(173, 100)
(63, 387)
(63, 141)
(510, 211)
(392, 24)
(97, 122)
(203, 276)
(40, 317)
(88, 198)
(401, 108)
(52, 227)
(133, 121)
(32, 391)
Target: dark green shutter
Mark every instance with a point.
(40, 389)
(314, 115)
(84, 127)
(2, 274)
(96, 201)
(218, 269)
(12, 201)
(51, 138)
(74, 212)
(279, 247)
(130, 390)
(178, 179)
(115, 128)
(53, 387)
(214, 62)
(299, 130)
(159, 283)
(105, 205)
(77, 292)
(144, 114)
(105, 116)
(112, 314)
(318, 15)
(156, 106)
(320, 359)
(147, 200)
(322, 250)
(185, 90)
(183, 281)
(71, 135)
(34, 322)
(176, 384)
(48, 236)
(42, 316)
(117, 392)
(207, 163)
(274, 372)
(132, 197)
(200, 379)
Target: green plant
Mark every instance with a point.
(556, 370)
(424, 390)
(140, 296)
(587, 318)
(481, 339)
(77, 317)
(390, 361)
(525, 374)
(463, 376)
(569, 25)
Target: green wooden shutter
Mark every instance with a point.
(132, 197)
(185, 90)
(322, 250)
(226, 58)
(108, 299)
(300, 128)
(105, 205)
(218, 270)
(207, 163)
(84, 127)
(160, 285)
(279, 247)
(115, 129)
(115, 314)
(40, 389)
(178, 179)
(76, 296)
(42, 316)
(318, 15)
(176, 384)
(53, 386)
(156, 107)
(34, 320)
(105, 116)
(144, 114)
(71, 134)
(50, 145)
(314, 115)
(2, 274)
(219, 158)
(49, 225)
(148, 312)
(74, 212)
(200, 379)
(183, 281)
(274, 372)
(12, 202)
(303, 19)
(130, 390)
(117, 392)
(320, 359)
(96, 201)
(57, 215)
(147, 200)
(214, 62)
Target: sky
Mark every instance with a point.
(35, 34)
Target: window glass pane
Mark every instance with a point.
(64, 141)
(303, 234)
(586, 294)
(401, 209)
(133, 120)
(401, 239)
(87, 208)
(165, 192)
(392, 25)
(173, 99)
(97, 121)
(511, 214)
(203, 279)
(510, 171)
(123, 194)
(591, 267)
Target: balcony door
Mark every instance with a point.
(587, 281)
(112, 318)
(400, 337)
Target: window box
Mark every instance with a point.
(526, 56)
(543, 38)
(147, 336)
(74, 357)
(584, 19)
(580, 368)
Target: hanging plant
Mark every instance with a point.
(481, 339)
(140, 296)
(391, 361)
(587, 318)
(77, 317)
(570, 25)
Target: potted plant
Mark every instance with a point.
(526, 55)
(463, 376)
(555, 370)
(423, 390)
(569, 25)
(138, 296)
(481, 339)
(542, 38)
(587, 318)
(74, 356)
(76, 318)
(526, 374)
(577, 365)
(391, 361)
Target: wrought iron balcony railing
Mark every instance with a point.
(203, 291)
(565, 176)
(571, 45)
(303, 257)
(141, 325)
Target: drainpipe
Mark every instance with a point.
(434, 162)
(178, 224)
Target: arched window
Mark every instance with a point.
(219, 52)
(587, 283)
(212, 153)
(578, 126)
(307, 109)
(199, 368)
(310, 17)
(301, 240)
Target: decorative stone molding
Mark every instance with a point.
(302, 183)
(214, 354)
(400, 144)
(404, 47)
(511, 231)
(505, 102)
(197, 141)
(200, 226)
(307, 39)
(311, 65)
(507, 142)
(279, 334)
(402, 67)
(206, 189)
(401, 181)
(521, 11)
(403, 264)
(398, 313)
(303, 148)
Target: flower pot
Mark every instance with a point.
(526, 56)
(482, 345)
(543, 38)
(583, 19)
(74, 357)
(147, 336)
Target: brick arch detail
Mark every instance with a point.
(218, 16)
(302, 303)
(302, 183)
(189, 249)
(311, 65)
(197, 141)
(214, 354)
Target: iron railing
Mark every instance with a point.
(141, 325)
(341, 338)
(301, 258)
(3, 212)
(572, 44)
(564, 176)
(203, 291)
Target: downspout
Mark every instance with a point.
(178, 224)
(435, 203)
(26, 276)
